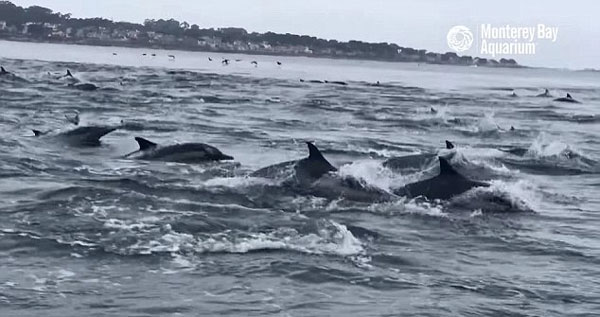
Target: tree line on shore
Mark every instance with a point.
(41, 22)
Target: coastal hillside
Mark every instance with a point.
(41, 24)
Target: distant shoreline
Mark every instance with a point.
(39, 24)
(123, 44)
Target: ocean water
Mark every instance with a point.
(85, 232)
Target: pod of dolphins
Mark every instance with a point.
(546, 94)
(312, 175)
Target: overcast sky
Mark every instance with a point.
(419, 24)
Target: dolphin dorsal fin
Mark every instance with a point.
(145, 144)
(446, 168)
(37, 132)
(315, 155)
(2, 70)
(313, 152)
(449, 145)
(569, 96)
(69, 73)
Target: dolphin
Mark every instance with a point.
(447, 184)
(333, 186)
(545, 94)
(39, 132)
(567, 98)
(11, 76)
(518, 151)
(68, 77)
(314, 166)
(82, 136)
(415, 161)
(337, 82)
(84, 87)
(306, 170)
(6, 74)
(190, 153)
(567, 154)
(514, 94)
(313, 175)
(279, 170)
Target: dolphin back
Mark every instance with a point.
(86, 136)
(447, 184)
(314, 166)
(38, 132)
(179, 153)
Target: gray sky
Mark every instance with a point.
(418, 24)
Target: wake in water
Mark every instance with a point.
(551, 156)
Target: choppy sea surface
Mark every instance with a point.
(84, 232)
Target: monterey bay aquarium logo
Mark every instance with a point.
(460, 38)
(501, 40)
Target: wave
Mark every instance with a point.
(329, 238)
(547, 155)
(500, 197)
(372, 173)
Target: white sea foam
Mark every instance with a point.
(127, 225)
(310, 203)
(548, 146)
(487, 123)
(521, 195)
(64, 274)
(336, 239)
(384, 152)
(480, 158)
(240, 181)
(409, 206)
(372, 173)
(476, 213)
(330, 238)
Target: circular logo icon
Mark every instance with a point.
(460, 38)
